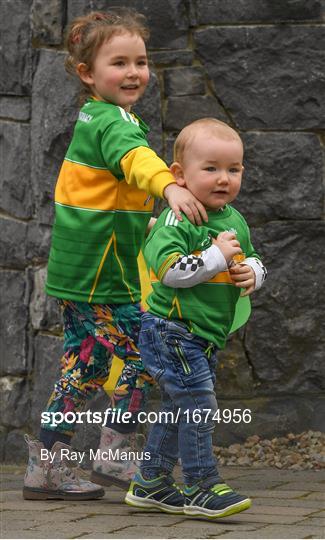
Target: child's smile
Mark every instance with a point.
(120, 70)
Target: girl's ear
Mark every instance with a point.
(84, 73)
(177, 171)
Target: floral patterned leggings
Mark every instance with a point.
(92, 334)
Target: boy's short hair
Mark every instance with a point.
(213, 125)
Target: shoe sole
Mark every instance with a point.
(36, 494)
(198, 511)
(139, 502)
(107, 480)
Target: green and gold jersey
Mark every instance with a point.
(100, 216)
(207, 308)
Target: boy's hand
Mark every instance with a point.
(228, 245)
(243, 276)
(180, 199)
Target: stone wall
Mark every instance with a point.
(256, 64)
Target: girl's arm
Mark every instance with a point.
(143, 168)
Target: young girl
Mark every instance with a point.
(102, 213)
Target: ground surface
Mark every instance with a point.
(286, 504)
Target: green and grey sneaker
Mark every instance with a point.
(214, 501)
(161, 493)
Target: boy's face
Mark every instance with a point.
(212, 169)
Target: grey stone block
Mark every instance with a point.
(272, 416)
(267, 77)
(15, 108)
(284, 338)
(282, 177)
(47, 21)
(234, 372)
(48, 352)
(38, 242)
(3, 436)
(16, 196)
(16, 58)
(13, 243)
(149, 109)
(44, 309)
(183, 110)
(242, 11)
(169, 147)
(16, 449)
(55, 108)
(184, 81)
(167, 18)
(171, 58)
(13, 320)
(15, 401)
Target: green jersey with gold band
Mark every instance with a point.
(207, 308)
(100, 216)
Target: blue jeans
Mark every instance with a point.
(184, 368)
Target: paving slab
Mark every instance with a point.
(313, 505)
(297, 485)
(313, 521)
(153, 532)
(281, 510)
(279, 531)
(269, 493)
(286, 504)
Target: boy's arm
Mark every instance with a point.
(253, 277)
(189, 270)
(168, 252)
(259, 270)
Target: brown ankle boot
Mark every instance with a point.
(57, 479)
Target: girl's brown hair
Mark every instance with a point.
(86, 35)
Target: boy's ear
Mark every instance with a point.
(84, 73)
(177, 171)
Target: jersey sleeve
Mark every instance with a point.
(170, 252)
(143, 168)
(118, 139)
(190, 270)
(166, 243)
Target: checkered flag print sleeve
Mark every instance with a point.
(188, 262)
(190, 270)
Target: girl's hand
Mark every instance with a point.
(181, 199)
(243, 276)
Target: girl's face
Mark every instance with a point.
(120, 70)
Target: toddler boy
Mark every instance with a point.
(196, 285)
